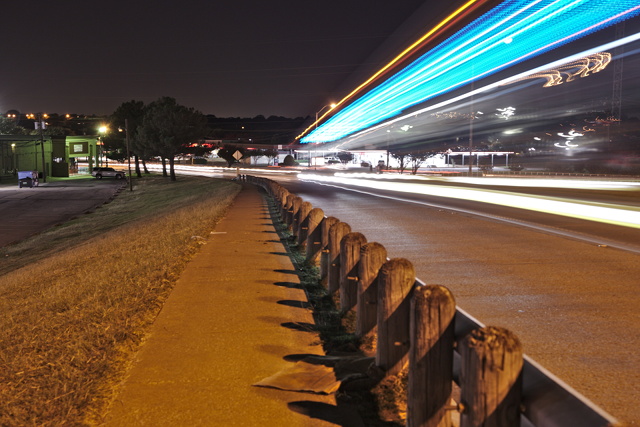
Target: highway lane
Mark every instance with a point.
(570, 298)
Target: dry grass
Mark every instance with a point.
(71, 321)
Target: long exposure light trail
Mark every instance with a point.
(514, 31)
(465, 8)
(622, 215)
(505, 182)
(509, 80)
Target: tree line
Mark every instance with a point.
(165, 129)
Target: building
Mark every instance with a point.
(58, 159)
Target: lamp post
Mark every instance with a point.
(331, 107)
(102, 130)
(126, 129)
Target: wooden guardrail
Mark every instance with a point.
(420, 326)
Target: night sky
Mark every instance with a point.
(227, 58)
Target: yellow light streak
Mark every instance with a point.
(395, 60)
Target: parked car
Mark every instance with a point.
(108, 172)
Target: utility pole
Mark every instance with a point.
(471, 123)
(126, 130)
(618, 65)
(40, 124)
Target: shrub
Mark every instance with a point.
(289, 161)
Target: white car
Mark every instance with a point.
(108, 172)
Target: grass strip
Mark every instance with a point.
(75, 301)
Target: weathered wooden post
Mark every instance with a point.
(286, 207)
(281, 196)
(350, 246)
(372, 256)
(491, 378)
(300, 227)
(324, 258)
(336, 233)
(293, 211)
(395, 282)
(314, 234)
(432, 314)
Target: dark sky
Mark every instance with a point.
(223, 57)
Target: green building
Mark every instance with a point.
(60, 157)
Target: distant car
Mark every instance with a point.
(108, 172)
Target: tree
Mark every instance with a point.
(402, 158)
(9, 127)
(227, 151)
(271, 154)
(171, 128)
(128, 117)
(256, 154)
(345, 157)
(417, 159)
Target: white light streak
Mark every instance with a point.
(622, 215)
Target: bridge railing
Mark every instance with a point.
(418, 326)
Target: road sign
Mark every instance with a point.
(237, 155)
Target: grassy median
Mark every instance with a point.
(75, 301)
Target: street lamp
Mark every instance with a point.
(102, 130)
(331, 107)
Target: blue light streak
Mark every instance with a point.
(514, 31)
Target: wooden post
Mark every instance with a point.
(324, 258)
(395, 282)
(286, 207)
(336, 233)
(295, 206)
(491, 378)
(433, 310)
(350, 246)
(372, 256)
(314, 234)
(281, 196)
(299, 224)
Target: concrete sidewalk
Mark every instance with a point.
(234, 316)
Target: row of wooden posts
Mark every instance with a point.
(413, 324)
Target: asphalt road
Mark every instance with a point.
(572, 301)
(27, 211)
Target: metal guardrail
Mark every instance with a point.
(546, 400)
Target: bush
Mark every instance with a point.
(288, 161)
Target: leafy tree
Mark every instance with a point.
(171, 128)
(345, 157)
(256, 154)
(227, 151)
(402, 158)
(9, 127)
(271, 154)
(417, 159)
(128, 117)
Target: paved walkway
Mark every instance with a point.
(234, 316)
